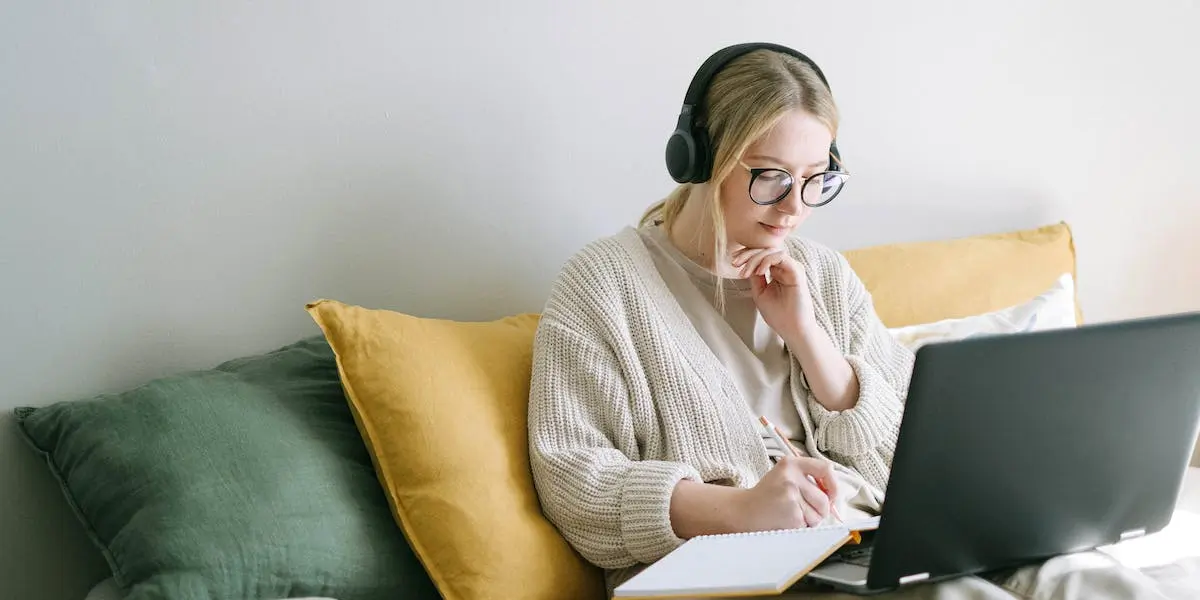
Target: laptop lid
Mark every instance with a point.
(1019, 447)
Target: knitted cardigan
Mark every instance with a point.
(626, 399)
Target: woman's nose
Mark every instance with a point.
(791, 203)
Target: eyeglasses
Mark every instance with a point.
(771, 186)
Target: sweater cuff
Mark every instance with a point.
(646, 508)
(863, 428)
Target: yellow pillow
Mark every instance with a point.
(924, 282)
(442, 408)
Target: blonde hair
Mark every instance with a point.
(744, 101)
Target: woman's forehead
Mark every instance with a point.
(797, 140)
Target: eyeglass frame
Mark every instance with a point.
(755, 172)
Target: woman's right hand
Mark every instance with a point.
(786, 498)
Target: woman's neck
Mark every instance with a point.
(692, 234)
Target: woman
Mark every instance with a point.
(663, 349)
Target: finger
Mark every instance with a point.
(748, 268)
(783, 269)
(830, 486)
(767, 262)
(812, 517)
(823, 473)
(745, 261)
(814, 497)
(740, 257)
(758, 285)
(755, 265)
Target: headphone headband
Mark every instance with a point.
(689, 155)
(713, 65)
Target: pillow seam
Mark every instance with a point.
(118, 575)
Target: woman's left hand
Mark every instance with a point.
(785, 302)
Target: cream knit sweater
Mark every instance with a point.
(626, 399)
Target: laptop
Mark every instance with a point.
(1019, 447)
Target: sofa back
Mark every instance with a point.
(924, 282)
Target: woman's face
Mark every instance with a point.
(798, 144)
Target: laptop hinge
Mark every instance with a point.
(912, 578)
(1132, 533)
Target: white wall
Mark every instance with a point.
(177, 180)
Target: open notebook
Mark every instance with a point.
(762, 563)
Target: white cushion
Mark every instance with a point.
(1189, 498)
(1052, 309)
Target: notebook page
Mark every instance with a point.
(866, 524)
(748, 563)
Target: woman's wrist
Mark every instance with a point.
(830, 377)
(804, 339)
(705, 509)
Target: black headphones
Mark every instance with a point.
(689, 152)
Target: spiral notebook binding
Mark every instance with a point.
(772, 531)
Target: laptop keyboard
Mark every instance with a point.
(857, 555)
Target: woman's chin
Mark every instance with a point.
(762, 239)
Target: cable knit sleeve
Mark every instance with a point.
(612, 506)
(863, 436)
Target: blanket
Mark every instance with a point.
(1162, 566)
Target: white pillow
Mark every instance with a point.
(1053, 309)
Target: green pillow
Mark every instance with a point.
(249, 480)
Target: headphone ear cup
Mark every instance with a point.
(681, 156)
(836, 163)
(703, 156)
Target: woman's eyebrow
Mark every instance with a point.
(770, 158)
